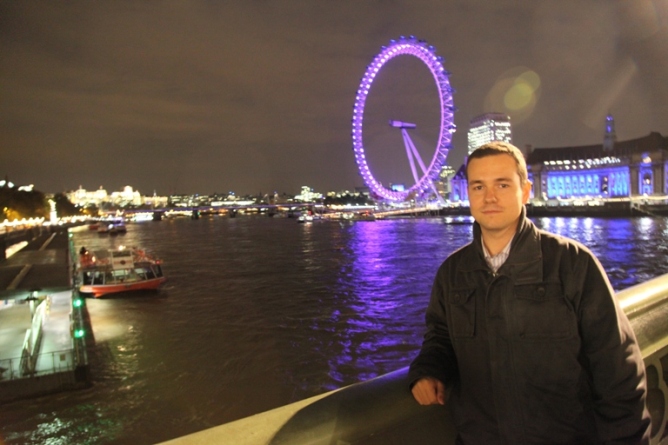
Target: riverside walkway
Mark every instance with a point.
(38, 353)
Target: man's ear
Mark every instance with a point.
(526, 191)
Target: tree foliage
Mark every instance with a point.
(15, 204)
(64, 206)
(348, 199)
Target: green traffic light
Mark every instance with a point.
(79, 333)
(77, 302)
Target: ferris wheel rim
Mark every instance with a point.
(427, 54)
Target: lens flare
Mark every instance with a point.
(516, 93)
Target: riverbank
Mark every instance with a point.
(618, 209)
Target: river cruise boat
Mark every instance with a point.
(121, 270)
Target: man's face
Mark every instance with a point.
(495, 194)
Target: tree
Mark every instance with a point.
(16, 204)
(64, 206)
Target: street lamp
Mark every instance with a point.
(32, 297)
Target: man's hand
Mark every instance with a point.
(429, 391)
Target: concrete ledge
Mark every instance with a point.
(378, 411)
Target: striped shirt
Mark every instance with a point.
(496, 261)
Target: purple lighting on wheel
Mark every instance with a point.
(399, 124)
(426, 53)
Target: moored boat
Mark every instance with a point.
(121, 270)
(111, 227)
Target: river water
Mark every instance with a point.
(259, 312)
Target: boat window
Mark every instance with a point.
(87, 278)
(141, 273)
(131, 275)
(98, 278)
(149, 273)
(158, 270)
(109, 277)
(119, 275)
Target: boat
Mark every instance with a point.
(117, 227)
(120, 270)
(111, 228)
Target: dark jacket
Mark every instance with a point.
(538, 353)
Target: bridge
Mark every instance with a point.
(230, 209)
(382, 410)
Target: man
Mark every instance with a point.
(524, 329)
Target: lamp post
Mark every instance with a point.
(32, 297)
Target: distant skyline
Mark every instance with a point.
(256, 96)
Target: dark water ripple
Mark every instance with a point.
(260, 312)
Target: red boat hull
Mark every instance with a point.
(99, 290)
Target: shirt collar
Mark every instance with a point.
(496, 261)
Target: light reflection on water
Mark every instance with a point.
(631, 250)
(260, 312)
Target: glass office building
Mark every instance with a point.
(489, 127)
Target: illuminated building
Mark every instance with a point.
(83, 198)
(489, 127)
(637, 167)
(612, 169)
(444, 182)
(308, 195)
(126, 197)
(459, 186)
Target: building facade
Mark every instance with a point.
(489, 127)
(629, 169)
(633, 168)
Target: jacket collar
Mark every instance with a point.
(525, 261)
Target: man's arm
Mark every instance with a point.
(615, 362)
(436, 365)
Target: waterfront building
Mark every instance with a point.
(458, 186)
(155, 201)
(126, 197)
(180, 201)
(83, 198)
(308, 195)
(627, 169)
(444, 184)
(636, 168)
(489, 127)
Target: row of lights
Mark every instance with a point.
(582, 163)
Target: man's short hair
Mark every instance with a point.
(500, 148)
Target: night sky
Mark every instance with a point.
(256, 96)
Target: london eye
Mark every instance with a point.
(423, 185)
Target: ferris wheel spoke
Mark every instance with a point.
(409, 143)
(410, 153)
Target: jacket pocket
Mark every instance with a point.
(462, 313)
(540, 311)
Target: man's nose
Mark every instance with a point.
(490, 195)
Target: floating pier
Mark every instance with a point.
(41, 325)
